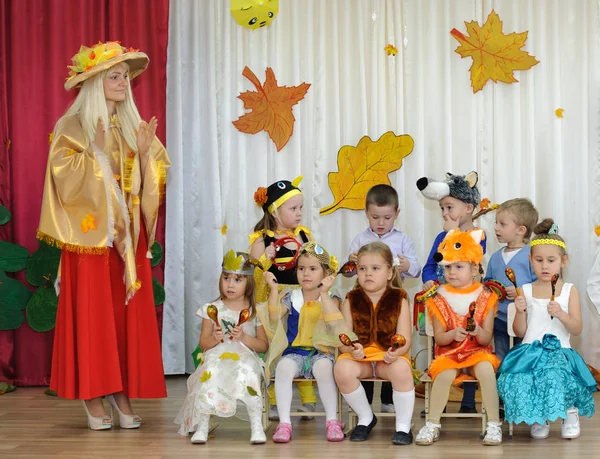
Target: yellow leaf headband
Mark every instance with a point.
(237, 263)
(545, 241)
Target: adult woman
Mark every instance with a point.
(102, 192)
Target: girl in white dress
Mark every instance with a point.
(231, 372)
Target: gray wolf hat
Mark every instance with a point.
(461, 187)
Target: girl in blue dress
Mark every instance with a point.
(543, 379)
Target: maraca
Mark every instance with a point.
(398, 341)
(553, 282)
(348, 269)
(346, 341)
(511, 277)
(244, 316)
(213, 313)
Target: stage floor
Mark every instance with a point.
(34, 425)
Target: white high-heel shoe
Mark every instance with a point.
(126, 421)
(100, 423)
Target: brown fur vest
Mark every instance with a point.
(375, 327)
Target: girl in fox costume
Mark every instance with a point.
(462, 313)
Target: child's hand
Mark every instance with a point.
(475, 332)
(511, 292)
(391, 355)
(270, 251)
(237, 332)
(554, 309)
(270, 279)
(450, 224)
(427, 285)
(218, 334)
(358, 353)
(520, 304)
(460, 334)
(404, 265)
(353, 257)
(326, 284)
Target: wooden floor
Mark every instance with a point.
(34, 425)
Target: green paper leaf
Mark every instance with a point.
(13, 257)
(251, 391)
(41, 309)
(13, 294)
(4, 215)
(11, 317)
(157, 254)
(5, 388)
(51, 393)
(43, 262)
(159, 292)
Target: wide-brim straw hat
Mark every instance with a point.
(102, 56)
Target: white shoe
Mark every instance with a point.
(273, 414)
(201, 435)
(388, 408)
(493, 434)
(429, 433)
(307, 408)
(257, 436)
(570, 427)
(540, 431)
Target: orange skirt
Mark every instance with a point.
(101, 345)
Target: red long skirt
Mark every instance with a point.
(101, 345)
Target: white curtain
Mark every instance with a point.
(509, 134)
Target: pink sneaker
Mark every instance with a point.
(334, 430)
(283, 433)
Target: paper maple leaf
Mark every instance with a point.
(495, 55)
(364, 166)
(271, 107)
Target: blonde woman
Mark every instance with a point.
(104, 183)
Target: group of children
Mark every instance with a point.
(277, 300)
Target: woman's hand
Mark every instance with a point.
(391, 355)
(358, 352)
(460, 334)
(100, 134)
(520, 304)
(237, 333)
(218, 334)
(145, 135)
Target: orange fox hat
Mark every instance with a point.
(460, 246)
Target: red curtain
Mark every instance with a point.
(37, 40)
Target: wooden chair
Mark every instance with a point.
(426, 379)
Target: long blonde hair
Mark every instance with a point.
(90, 105)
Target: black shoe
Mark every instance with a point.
(467, 410)
(361, 433)
(402, 438)
(501, 413)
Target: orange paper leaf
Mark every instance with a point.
(88, 223)
(271, 108)
(364, 166)
(597, 230)
(495, 55)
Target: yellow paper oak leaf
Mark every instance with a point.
(495, 55)
(231, 262)
(559, 112)
(205, 376)
(597, 230)
(364, 166)
(391, 50)
(229, 355)
(224, 230)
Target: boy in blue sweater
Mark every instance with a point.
(515, 220)
(458, 197)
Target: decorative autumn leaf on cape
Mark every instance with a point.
(364, 166)
(271, 107)
(205, 376)
(495, 55)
